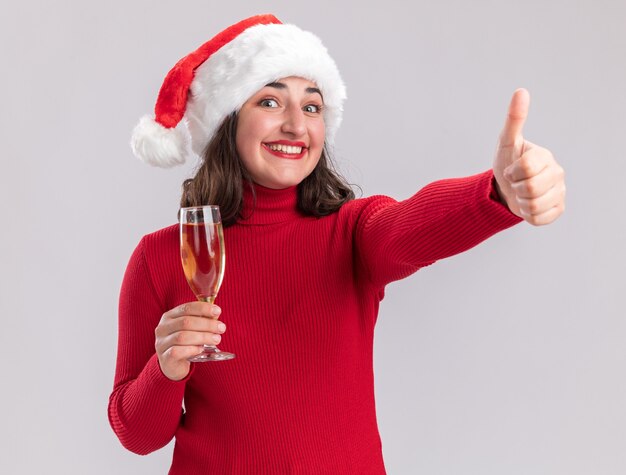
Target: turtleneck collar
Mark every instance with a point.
(271, 206)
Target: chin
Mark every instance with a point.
(280, 183)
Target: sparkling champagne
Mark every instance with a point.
(203, 257)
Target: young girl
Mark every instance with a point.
(307, 263)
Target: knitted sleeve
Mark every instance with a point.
(145, 407)
(395, 239)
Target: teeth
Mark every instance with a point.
(285, 148)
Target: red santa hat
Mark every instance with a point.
(206, 86)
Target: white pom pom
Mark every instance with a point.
(158, 145)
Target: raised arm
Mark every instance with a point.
(450, 216)
(446, 217)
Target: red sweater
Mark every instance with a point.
(300, 299)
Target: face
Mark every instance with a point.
(280, 132)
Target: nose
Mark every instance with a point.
(294, 122)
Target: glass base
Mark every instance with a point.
(212, 353)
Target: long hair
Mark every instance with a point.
(221, 176)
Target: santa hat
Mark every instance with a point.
(214, 81)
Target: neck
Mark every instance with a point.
(263, 205)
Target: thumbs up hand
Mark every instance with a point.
(529, 180)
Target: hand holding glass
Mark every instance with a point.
(203, 258)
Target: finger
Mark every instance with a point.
(538, 206)
(200, 309)
(538, 185)
(516, 117)
(199, 324)
(534, 187)
(178, 319)
(546, 218)
(187, 338)
(532, 162)
(189, 323)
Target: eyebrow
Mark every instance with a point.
(280, 85)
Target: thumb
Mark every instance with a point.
(518, 111)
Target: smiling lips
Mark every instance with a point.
(286, 149)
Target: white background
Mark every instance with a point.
(509, 358)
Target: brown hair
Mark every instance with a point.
(221, 176)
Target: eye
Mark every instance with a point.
(312, 108)
(272, 103)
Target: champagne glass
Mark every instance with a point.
(203, 257)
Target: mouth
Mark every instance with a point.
(286, 149)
